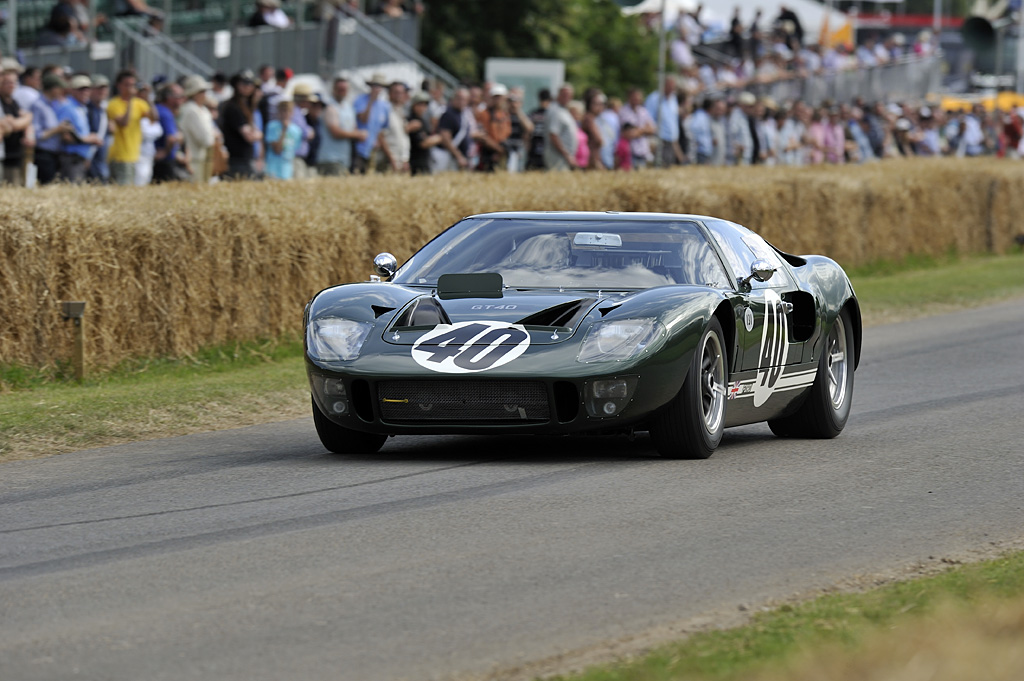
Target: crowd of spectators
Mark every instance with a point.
(75, 127)
(771, 50)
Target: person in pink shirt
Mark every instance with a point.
(623, 150)
(576, 108)
(816, 137)
(834, 137)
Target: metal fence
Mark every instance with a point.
(343, 43)
(910, 78)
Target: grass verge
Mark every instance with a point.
(42, 414)
(964, 624)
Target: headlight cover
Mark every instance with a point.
(331, 339)
(614, 341)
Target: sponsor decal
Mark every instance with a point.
(797, 380)
(748, 319)
(740, 389)
(470, 347)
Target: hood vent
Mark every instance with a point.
(425, 311)
(378, 310)
(563, 315)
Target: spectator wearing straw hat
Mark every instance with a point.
(302, 97)
(76, 154)
(338, 132)
(49, 129)
(125, 112)
(372, 111)
(196, 124)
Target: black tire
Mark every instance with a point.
(827, 406)
(341, 440)
(691, 425)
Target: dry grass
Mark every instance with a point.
(956, 643)
(166, 270)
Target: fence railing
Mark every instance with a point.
(908, 78)
(347, 42)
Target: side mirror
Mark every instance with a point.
(385, 264)
(761, 270)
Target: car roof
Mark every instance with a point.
(589, 215)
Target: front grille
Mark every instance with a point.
(466, 401)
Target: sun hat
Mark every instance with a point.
(195, 84)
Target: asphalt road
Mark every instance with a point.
(252, 554)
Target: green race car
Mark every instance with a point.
(572, 322)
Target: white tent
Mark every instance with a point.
(813, 16)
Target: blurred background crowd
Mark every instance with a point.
(266, 122)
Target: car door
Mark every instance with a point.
(763, 314)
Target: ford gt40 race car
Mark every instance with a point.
(562, 322)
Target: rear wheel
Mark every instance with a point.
(827, 407)
(341, 440)
(691, 426)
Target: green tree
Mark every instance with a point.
(599, 45)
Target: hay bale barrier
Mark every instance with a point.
(165, 270)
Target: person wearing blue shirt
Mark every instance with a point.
(282, 140)
(50, 130)
(168, 163)
(75, 156)
(372, 113)
(664, 109)
(700, 132)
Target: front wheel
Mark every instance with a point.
(341, 440)
(691, 426)
(827, 407)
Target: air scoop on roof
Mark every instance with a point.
(561, 315)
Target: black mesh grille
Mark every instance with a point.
(466, 401)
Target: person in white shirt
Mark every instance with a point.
(196, 125)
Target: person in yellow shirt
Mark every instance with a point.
(125, 112)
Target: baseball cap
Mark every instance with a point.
(80, 81)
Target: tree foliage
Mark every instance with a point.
(599, 45)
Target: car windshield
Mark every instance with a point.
(587, 254)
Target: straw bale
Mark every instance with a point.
(166, 270)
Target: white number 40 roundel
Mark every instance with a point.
(468, 347)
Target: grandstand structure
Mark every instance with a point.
(208, 36)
